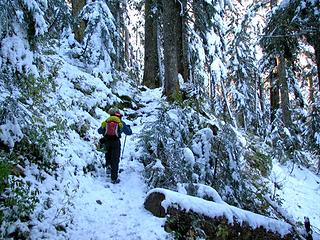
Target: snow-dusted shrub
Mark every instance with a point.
(18, 200)
(286, 143)
(167, 158)
(201, 146)
(15, 52)
(228, 163)
(24, 18)
(259, 161)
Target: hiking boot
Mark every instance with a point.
(115, 181)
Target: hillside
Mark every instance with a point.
(79, 201)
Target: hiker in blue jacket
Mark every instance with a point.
(111, 129)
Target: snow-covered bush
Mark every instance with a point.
(235, 169)
(17, 200)
(167, 158)
(177, 152)
(201, 146)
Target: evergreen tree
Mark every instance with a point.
(211, 28)
(244, 81)
(100, 37)
(118, 9)
(58, 17)
(283, 48)
(287, 27)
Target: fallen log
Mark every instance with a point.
(191, 217)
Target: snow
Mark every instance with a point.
(205, 190)
(10, 132)
(317, 138)
(213, 209)
(201, 143)
(120, 215)
(300, 191)
(188, 156)
(16, 51)
(87, 205)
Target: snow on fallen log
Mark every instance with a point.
(163, 202)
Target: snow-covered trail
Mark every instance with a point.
(106, 211)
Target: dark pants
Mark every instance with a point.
(113, 149)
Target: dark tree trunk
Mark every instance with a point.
(126, 36)
(182, 45)
(274, 97)
(151, 74)
(311, 90)
(77, 6)
(317, 53)
(127, 46)
(171, 84)
(274, 86)
(284, 90)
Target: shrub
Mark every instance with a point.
(17, 198)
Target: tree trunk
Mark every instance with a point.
(274, 86)
(126, 40)
(284, 89)
(171, 84)
(77, 6)
(117, 16)
(151, 74)
(127, 46)
(261, 91)
(311, 90)
(317, 53)
(274, 97)
(182, 44)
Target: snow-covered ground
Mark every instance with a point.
(300, 191)
(120, 214)
(107, 211)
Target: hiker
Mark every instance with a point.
(111, 129)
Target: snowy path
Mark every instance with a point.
(107, 211)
